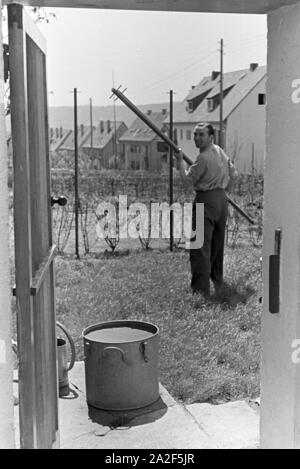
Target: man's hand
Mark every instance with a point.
(179, 155)
(182, 172)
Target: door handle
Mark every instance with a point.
(274, 275)
(61, 200)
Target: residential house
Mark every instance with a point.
(63, 156)
(103, 147)
(244, 110)
(68, 142)
(140, 144)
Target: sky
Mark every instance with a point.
(148, 53)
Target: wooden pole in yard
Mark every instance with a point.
(221, 143)
(171, 170)
(252, 173)
(76, 174)
(91, 122)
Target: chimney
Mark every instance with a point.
(193, 86)
(108, 126)
(101, 127)
(60, 132)
(81, 129)
(253, 66)
(164, 112)
(214, 75)
(149, 112)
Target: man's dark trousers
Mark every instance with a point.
(207, 262)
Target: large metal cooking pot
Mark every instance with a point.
(121, 364)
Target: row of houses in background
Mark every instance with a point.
(112, 144)
(98, 144)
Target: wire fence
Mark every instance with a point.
(146, 189)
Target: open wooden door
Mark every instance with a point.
(34, 252)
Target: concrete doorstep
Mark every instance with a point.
(165, 424)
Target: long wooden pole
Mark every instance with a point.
(171, 170)
(166, 139)
(76, 174)
(91, 122)
(221, 143)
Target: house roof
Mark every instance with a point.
(55, 143)
(241, 82)
(206, 84)
(140, 132)
(230, 79)
(101, 135)
(83, 133)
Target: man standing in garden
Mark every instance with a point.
(211, 174)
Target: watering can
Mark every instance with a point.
(62, 361)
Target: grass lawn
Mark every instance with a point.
(209, 350)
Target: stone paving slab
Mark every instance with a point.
(163, 425)
(233, 425)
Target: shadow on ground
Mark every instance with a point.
(232, 295)
(229, 295)
(128, 418)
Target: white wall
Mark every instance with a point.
(245, 126)
(6, 377)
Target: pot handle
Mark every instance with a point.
(124, 358)
(143, 351)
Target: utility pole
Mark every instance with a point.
(115, 126)
(221, 95)
(76, 174)
(171, 170)
(115, 136)
(91, 122)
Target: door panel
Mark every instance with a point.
(34, 252)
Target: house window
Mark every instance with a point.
(175, 139)
(217, 136)
(188, 135)
(132, 148)
(132, 164)
(261, 99)
(146, 160)
(210, 104)
(181, 134)
(190, 106)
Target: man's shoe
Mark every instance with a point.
(205, 294)
(218, 287)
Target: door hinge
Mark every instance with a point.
(6, 61)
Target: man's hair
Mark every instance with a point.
(206, 125)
